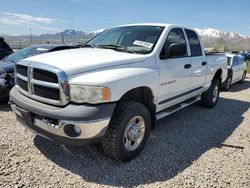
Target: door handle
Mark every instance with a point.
(187, 66)
(204, 63)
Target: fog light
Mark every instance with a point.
(72, 130)
(77, 129)
(2, 82)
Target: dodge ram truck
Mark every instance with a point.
(113, 89)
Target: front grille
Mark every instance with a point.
(42, 83)
(22, 84)
(23, 70)
(44, 75)
(49, 93)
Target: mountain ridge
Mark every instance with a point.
(212, 38)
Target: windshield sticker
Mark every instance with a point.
(42, 50)
(143, 44)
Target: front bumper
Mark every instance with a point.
(60, 123)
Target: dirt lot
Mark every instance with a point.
(195, 147)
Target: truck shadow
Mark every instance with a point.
(240, 87)
(176, 142)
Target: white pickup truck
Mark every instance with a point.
(116, 86)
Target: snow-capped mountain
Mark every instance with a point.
(98, 31)
(216, 34)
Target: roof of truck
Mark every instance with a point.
(158, 24)
(149, 24)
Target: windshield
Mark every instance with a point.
(24, 53)
(136, 39)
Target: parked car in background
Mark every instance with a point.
(243, 56)
(115, 88)
(5, 49)
(236, 71)
(7, 64)
(248, 56)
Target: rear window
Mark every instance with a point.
(194, 42)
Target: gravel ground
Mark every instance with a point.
(195, 147)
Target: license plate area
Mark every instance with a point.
(24, 114)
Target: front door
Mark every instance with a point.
(175, 73)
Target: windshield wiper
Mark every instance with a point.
(87, 46)
(116, 47)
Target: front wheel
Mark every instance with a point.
(243, 78)
(210, 98)
(227, 84)
(128, 131)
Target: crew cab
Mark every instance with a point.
(236, 71)
(114, 88)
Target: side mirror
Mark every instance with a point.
(175, 50)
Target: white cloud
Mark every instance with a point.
(18, 19)
(75, 1)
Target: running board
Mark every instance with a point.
(177, 107)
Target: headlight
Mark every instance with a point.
(2, 81)
(89, 94)
(3, 73)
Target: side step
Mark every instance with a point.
(177, 107)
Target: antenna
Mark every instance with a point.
(30, 36)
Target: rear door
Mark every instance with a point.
(241, 66)
(174, 76)
(236, 69)
(198, 59)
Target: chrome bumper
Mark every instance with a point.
(87, 130)
(66, 132)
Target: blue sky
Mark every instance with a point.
(16, 16)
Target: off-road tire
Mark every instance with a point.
(112, 142)
(207, 97)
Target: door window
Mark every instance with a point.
(175, 36)
(194, 43)
(240, 61)
(235, 62)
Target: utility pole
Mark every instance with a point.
(62, 38)
(246, 46)
(30, 36)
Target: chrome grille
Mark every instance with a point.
(43, 83)
(23, 84)
(23, 70)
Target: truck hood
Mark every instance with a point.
(76, 61)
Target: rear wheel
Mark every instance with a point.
(128, 131)
(210, 98)
(243, 78)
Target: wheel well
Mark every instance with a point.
(144, 96)
(218, 75)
